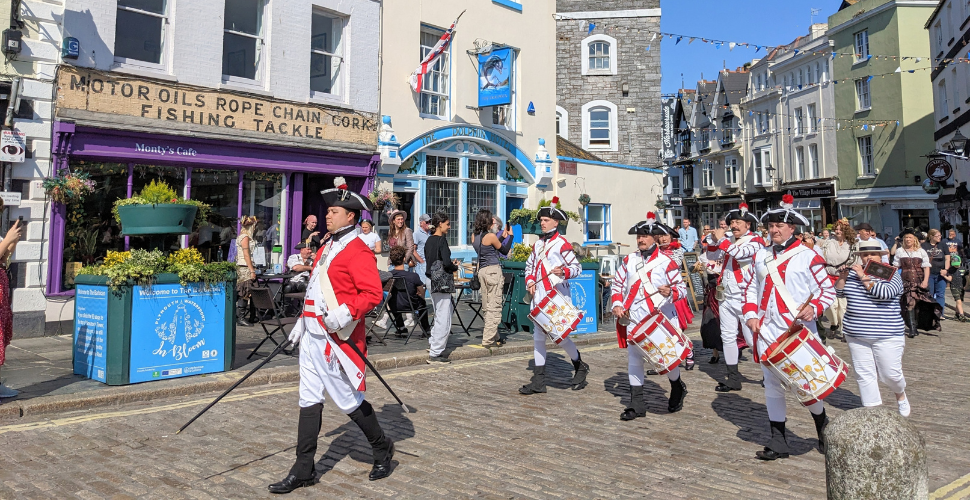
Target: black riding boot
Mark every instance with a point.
(778, 446)
(538, 383)
(638, 407)
(821, 421)
(678, 391)
(911, 314)
(582, 369)
(733, 382)
(383, 447)
(301, 474)
(242, 313)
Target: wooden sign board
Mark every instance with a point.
(117, 94)
(694, 280)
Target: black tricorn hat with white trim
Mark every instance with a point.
(552, 212)
(742, 213)
(649, 227)
(342, 197)
(785, 213)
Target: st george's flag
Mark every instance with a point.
(417, 77)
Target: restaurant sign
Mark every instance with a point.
(109, 93)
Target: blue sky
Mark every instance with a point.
(762, 22)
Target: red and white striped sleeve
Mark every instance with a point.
(678, 289)
(619, 282)
(530, 263)
(572, 267)
(750, 291)
(826, 295)
(745, 251)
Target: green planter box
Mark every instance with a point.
(156, 219)
(516, 313)
(533, 228)
(137, 334)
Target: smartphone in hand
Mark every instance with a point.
(20, 221)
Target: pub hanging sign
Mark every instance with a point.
(939, 170)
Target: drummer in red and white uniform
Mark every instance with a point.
(347, 270)
(549, 267)
(734, 279)
(636, 300)
(787, 275)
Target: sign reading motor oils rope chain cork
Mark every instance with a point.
(117, 94)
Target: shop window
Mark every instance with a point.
(262, 197)
(326, 53)
(443, 197)
(480, 196)
(140, 31)
(435, 87)
(598, 223)
(242, 41)
(441, 166)
(220, 189)
(599, 55)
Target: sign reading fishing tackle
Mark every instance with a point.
(176, 331)
(495, 77)
(164, 102)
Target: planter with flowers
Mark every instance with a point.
(529, 219)
(69, 187)
(384, 199)
(158, 209)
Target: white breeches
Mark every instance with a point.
(539, 338)
(636, 363)
(775, 398)
(875, 360)
(320, 376)
(731, 316)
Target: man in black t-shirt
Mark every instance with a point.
(955, 273)
(939, 262)
(413, 300)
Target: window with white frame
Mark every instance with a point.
(707, 175)
(812, 119)
(813, 159)
(731, 172)
(140, 31)
(759, 86)
(938, 31)
(727, 132)
(825, 70)
(862, 94)
(811, 76)
(562, 122)
(705, 139)
(865, 156)
(674, 185)
(479, 196)
(599, 126)
(956, 90)
(785, 86)
(799, 125)
(800, 173)
(818, 73)
(689, 179)
(598, 223)
(861, 45)
(944, 107)
(599, 53)
(801, 77)
(436, 84)
(762, 163)
(242, 39)
(326, 53)
(443, 192)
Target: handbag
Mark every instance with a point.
(475, 283)
(441, 281)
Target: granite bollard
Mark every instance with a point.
(875, 453)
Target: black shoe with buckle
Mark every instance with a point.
(382, 468)
(289, 484)
(769, 454)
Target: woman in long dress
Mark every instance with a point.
(915, 266)
(7, 246)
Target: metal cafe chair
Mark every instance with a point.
(262, 300)
(401, 287)
(379, 311)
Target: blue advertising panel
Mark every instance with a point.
(495, 78)
(583, 291)
(176, 331)
(90, 331)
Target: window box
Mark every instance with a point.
(156, 219)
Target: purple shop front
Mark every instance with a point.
(302, 171)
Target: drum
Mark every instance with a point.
(556, 316)
(809, 369)
(663, 345)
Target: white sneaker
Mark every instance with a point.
(904, 407)
(7, 392)
(408, 320)
(382, 322)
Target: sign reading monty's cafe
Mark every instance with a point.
(111, 93)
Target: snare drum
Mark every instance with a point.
(556, 316)
(809, 369)
(663, 345)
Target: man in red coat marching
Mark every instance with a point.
(343, 287)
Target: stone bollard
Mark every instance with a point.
(874, 453)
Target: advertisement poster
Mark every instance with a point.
(583, 291)
(13, 146)
(495, 78)
(90, 331)
(176, 331)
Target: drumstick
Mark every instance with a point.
(795, 321)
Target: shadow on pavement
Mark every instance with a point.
(751, 419)
(348, 441)
(654, 394)
(843, 399)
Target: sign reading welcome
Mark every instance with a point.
(115, 94)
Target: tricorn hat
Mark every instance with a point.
(742, 213)
(342, 197)
(785, 213)
(552, 212)
(649, 227)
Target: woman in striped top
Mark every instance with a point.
(877, 354)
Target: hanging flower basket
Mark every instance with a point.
(584, 199)
(69, 187)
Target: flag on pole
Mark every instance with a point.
(417, 77)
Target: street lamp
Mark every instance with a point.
(958, 143)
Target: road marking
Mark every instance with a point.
(61, 422)
(946, 490)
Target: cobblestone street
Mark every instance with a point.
(474, 436)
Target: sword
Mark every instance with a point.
(278, 350)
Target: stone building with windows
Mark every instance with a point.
(251, 106)
(881, 165)
(479, 131)
(609, 103)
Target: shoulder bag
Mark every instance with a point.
(441, 281)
